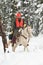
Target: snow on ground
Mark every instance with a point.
(33, 57)
(36, 43)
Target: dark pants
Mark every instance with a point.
(13, 40)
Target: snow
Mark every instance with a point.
(40, 7)
(33, 57)
(19, 4)
(26, 2)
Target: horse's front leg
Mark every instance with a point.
(14, 47)
(5, 46)
(26, 46)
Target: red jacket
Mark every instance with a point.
(19, 24)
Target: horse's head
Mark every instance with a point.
(29, 30)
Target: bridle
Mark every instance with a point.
(23, 35)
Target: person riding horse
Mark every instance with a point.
(3, 35)
(18, 23)
(23, 38)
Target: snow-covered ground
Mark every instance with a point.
(33, 57)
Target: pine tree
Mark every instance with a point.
(28, 9)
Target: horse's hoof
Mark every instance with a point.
(4, 50)
(20, 44)
(27, 44)
(7, 51)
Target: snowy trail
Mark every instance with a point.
(33, 57)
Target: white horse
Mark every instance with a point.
(24, 38)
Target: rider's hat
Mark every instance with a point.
(18, 15)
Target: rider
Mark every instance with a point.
(18, 23)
